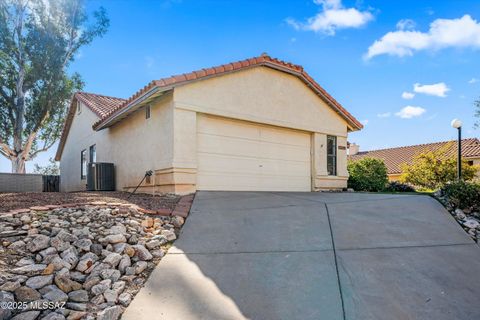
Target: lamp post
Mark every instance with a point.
(457, 124)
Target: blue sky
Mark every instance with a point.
(365, 53)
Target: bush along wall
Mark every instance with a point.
(462, 200)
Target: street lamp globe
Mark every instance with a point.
(456, 123)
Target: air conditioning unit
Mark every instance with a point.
(101, 176)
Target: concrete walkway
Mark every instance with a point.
(254, 255)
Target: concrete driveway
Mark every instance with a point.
(259, 255)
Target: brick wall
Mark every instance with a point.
(15, 182)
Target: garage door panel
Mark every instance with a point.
(236, 155)
(225, 128)
(279, 136)
(285, 152)
(227, 164)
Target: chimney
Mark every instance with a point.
(353, 149)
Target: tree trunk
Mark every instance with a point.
(18, 164)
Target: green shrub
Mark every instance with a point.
(463, 195)
(367, 174)
(433, 169)
(395, 186)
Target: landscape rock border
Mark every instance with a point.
(92, 258)
(468, 219)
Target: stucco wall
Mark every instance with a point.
(166, 143)
(134, 145)
(264, 95)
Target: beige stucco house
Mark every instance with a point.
(256, 124)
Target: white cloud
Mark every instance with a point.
(406, 24)
(332, 17)
(408, 95)
(364, 122)
(384, 115)
(473, 80)
(443, 33)
(438, 89)
(409, 112)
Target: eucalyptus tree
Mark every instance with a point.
(39, 40)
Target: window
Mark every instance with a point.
(79, 107)
(93, 153)
(147, 112)
(83, 164)
(332, 155)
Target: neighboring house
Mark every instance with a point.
(395, 157)
(256, 124)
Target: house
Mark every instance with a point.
(395, 157)
(256, 124)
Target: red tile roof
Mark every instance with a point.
(99, 104)
(395, 157)
(107, 108)
(263, 60)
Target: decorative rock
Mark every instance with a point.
(29, 315)
(113, 259)
(111, 313)
(10, 286)
(472, 224)
(110, 296)
(30, 270)
(39, 281)
(24, 262)
(17, 246)
(124, 263)
(142, 253)
(130, 251)
(54, 316)
(66, 284)
(169, 234)
(51, 267)
(101, 287)
(118, 229)
(26, 294)
(115, 238)
(78, 296)
(96, 248)
(153, 244)
(83, 244)
(70, 256)
(38, 243)
(111, 274)
(54, 294)
(140, 266)
(90, 282)
(86, 261)
(76, 315)
(6, 297)
(77, 306)
(124, 299)
(178, 221)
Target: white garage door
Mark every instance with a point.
(237, 155)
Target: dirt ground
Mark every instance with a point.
(9, 201)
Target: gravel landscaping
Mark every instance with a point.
(468, 218)
(9, 201)
(83, 262)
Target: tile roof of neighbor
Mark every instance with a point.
(395, 157)
(107, 108)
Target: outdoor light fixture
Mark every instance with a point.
(457, 124)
